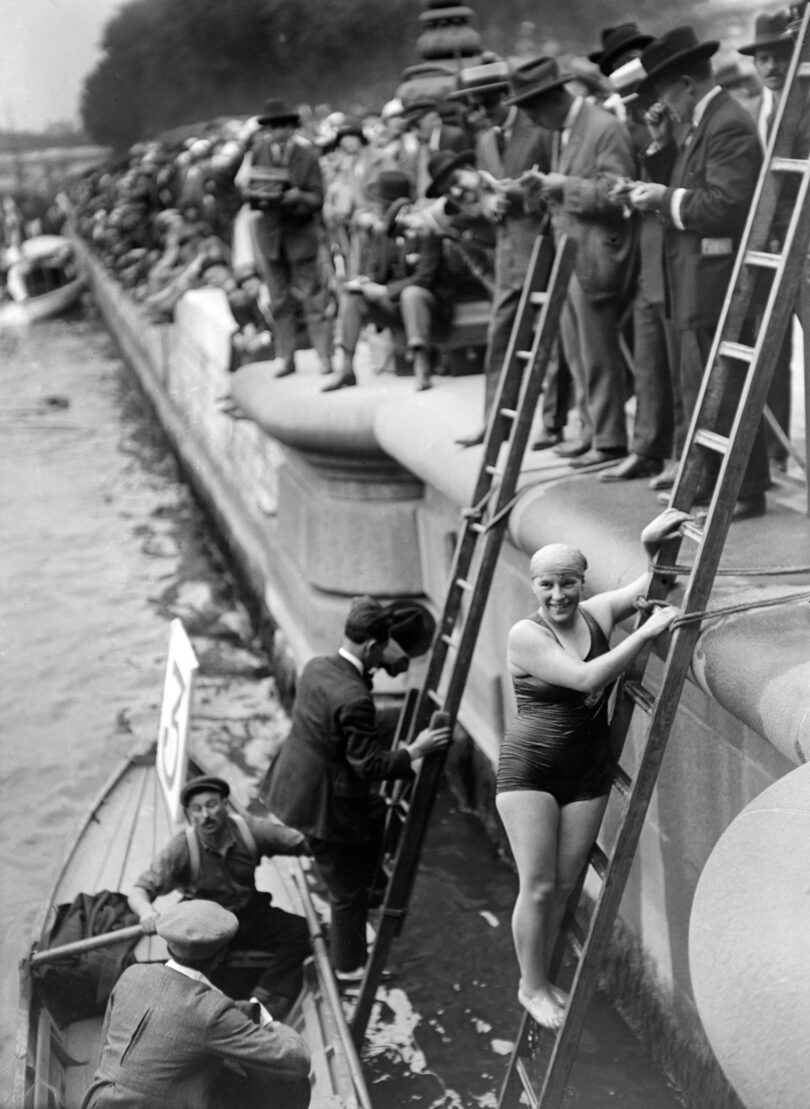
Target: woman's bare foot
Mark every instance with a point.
(542, 1007)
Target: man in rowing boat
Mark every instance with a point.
(323, 777)
(169, 1033)
(215, 858)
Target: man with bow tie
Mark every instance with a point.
(321, 782)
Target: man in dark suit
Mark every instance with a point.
(507, 144)
(704, 205)
(284, 182)
(168, 1032)
(215, 859)
(592, 150)
(423, 119)
(321, 781)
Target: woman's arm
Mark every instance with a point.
(615, 605)
(532, 650)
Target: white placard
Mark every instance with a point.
(175, 712)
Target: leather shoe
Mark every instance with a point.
(547, 439)
(472, 439)
(597, 457)
(666, 479)
(744, 509)
(632, 467)
(573, 450)
(341, 380)
(286, 368)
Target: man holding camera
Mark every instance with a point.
(283, 181)
(321, 782)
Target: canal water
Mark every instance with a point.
(102, 545)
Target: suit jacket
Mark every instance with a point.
(321, 780)
(758, 108)
(598, 150)
(718, 170)
(525, 147)
(291, 232)
(166, 1038)
(449, 138)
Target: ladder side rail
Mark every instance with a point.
(621, 860)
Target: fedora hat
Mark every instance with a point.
(440, 167)
(770, 30)
(390, 185)
(617, 41)
(535, 78)
(475, 80)
(276, 110)
(673, 52)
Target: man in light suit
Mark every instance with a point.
(592, 151)
(288, 231)
(704, 206)
(168, 1032)
(423, 120)
(322, 779)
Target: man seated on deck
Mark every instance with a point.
(170, 1036)
(322, 779)
(215, 859)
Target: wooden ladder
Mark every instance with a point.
(764, 281)
(476, 556)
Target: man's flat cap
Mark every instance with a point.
(204, 782)
(196, 929)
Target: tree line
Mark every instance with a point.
(169, 62)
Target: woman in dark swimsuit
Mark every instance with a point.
(555, 762)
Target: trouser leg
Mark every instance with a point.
(285, 937)
(347, 870)
(653, 426)
(283, 308)
(569, 335)
(352, 316)
(308, 288)
(779, 397)
(417, 306)
(603, 367)
(499, 331)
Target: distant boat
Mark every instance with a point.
(124, 828)
(42, 280)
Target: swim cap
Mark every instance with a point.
(558, 558)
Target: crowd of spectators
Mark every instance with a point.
(317, 224)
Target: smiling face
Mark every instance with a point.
(558, 581)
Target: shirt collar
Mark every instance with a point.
(189, 972)
(573, 113)
(702, 104)
(356, 663)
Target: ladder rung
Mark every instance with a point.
(693, 532)
(510, 413)
(436, 697)
(462, 583)
(789, 165)
(524, 355)
(622, 781)
(480, 528)
(526, 1083)
(641, 697)
(598, 860)
(712, 441)
(496, 471)
(452, 643)
(575, 937)
(538, 298)
(740, 351)
(763, 258)
(803, 70)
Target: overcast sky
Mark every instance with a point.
(47, 47)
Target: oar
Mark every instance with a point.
(107, 939)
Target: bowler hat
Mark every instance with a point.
(475, 80)
(672, 53)
(390, 185)
(617, 41)
(196, 929)
(441, 166)
(769, 31)
(536, 78)
(276, 110)
(203, 783)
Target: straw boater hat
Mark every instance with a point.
(196, 929)
(441, 166)
(535, 78)
(204, 783)
(672, 53)
(278, 111)
(769, 31)
(617, 41)
(476, 80)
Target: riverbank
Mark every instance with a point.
(360, 491)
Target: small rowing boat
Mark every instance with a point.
(41, 281)
(128, 823)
